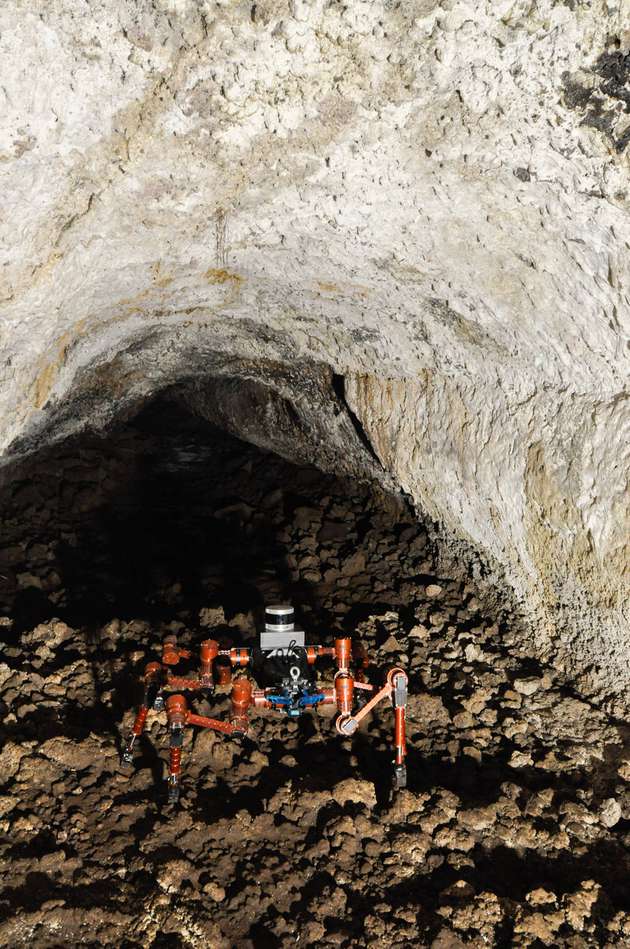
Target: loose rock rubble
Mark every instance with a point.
(513, 831)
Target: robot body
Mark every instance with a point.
(285, 668)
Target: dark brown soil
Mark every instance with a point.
(514, 828)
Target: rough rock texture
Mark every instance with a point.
(427, 200)
(514, 829)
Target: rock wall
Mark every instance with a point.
(539, 484)
(428, 201)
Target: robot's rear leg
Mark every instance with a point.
(138, 727)
(399, 701)
(174, 764)
(152, 699)
(177, 712)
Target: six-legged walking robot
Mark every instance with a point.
(284, 666)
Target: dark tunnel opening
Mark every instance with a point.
(170, 514)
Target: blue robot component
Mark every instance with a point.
(295, 704)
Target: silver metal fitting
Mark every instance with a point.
(400, 690)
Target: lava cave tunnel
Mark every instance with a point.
(329, 303)
(169, 525)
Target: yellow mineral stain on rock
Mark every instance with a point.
(353, 289)
(45, 379)
(132, 301)
(222, 276)
(43, 384)
(160, 279)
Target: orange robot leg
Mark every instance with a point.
(177, 714)
(152, 675)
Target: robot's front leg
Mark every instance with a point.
(138, 727)
(151, 699)
(395, 688)
(398, 681)
(176, 711)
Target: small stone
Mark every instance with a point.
(472, 652)
(472, 752)
(460, 890)
(314, 931)
(173, 873)
(478, 818)
(390, 645)
(527, 686)
(49, 905)
(26, 580)
(433, 590)
(578, 906)
(520, 759)
(355, 564)
(209, 617)
(512, 699)
(610, 812)
(215, 892)
(446, 939)
(71, 755)
(540, 897)
(477, 701)
(540, 927)
(489, 716)
(356, 790)
(430, 708)
(7, 803)
(10, 758)
(463, 720)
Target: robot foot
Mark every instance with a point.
(173, 793)
(400, 776)
(126, 755)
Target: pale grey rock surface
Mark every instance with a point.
(428, 200)
(610, 812)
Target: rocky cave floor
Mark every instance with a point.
(515, 825)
